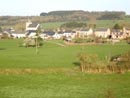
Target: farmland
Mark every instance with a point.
(51, 25)
(99, 23)
(61, 85)
(60, 78)
(50, 54)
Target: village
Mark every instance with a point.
(65, 49)
(68, 35)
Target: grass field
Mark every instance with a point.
(99, 23)
(67, 82)
(50, 54)
(51, 25)
(65, 85)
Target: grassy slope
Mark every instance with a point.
(99, 23)
(51, 25)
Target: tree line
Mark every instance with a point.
(85, 15)
(73, 24)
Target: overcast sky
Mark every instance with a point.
(35, 7)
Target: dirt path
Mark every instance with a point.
(56, 43)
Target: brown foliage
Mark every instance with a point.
(91, 63)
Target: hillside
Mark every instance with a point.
(81, 15)
(18, 22)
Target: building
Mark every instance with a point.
(18, 35)
(47, 35)
(31, 29)
(84, 32)
(126, 32)
(69, 34)
(7, 33)
(102, 32)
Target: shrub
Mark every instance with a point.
(120, 63)
(81, 40)
(31, 42)
(78, 40)
(91, 62)
(128, 40)
(87, 61)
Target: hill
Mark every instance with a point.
(18, 22)
(80, 15)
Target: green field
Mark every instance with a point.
(60, 77)
(51, 25)
(69, 85)
(50, 54)
(99, 23)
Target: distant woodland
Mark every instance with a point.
(83, 15)
(18, 22)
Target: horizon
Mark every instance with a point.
(35, 7)
(66, 10)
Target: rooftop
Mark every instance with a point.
(101, 29)
(33, 25)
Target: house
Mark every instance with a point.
(11, 33)
(120, 33)
(84, 32)
(117, 34)
(0, 35)
(102, 32)
(7, 33)
(31, 28)
(58, 35)
(47, 35)
(43, 36)
(126, 32)
(69, 34)
(18, 35)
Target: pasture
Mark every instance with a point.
(99, 23)
(51, 55)
(51, 25)
(60, 77)
(65, 85)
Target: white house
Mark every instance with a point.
(31, 28)
(47, 35)
(102, 32)
(69, 34)
(84, 32)
(8, 32)
(0, 35)
(126, 32)
(57, 36)
(18, 35)
(118, 34)
(43, 36)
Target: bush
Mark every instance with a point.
(128, 40)
(120, 63)
(89, 62)
(81, 40)
(31, 42)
